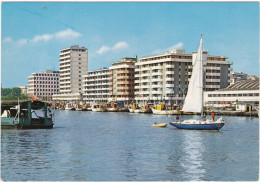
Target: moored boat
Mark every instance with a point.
(162, 110)
(27, 115)
(112, 107)
(98, 108)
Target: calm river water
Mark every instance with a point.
(125, 146)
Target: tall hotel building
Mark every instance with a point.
(44, 84)
(96, 86)
(165, 77)
(73, 65)
(121, 81)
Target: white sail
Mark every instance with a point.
(194, 100)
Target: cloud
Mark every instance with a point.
(64, 34)
(120, 45)
(8, 40)
(103, 49)
(67, 33)
(45, 37)
(117, 46)
(176, 46)
(22, 42)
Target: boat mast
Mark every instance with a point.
(202, 70)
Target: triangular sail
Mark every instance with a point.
(194, 99)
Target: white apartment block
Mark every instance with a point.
(73, 65)
(122, 81)
(96, 86)
(165, 77)
(44, 84)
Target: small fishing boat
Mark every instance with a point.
(69, 106)
(112, 107)
(159, 125)
(161, 110)
(134, 108)
(194, 99)
(98, 108)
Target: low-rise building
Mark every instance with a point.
(43, 84)
(245, 92)
(96, 86)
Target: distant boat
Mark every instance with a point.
(161, 110)
(194, 98)
(112, 107)
(69, 106)
(98, 108)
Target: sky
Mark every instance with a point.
(33, 33)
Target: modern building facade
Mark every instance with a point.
(44, 84)
(73, 65)
(96, 86)
(165, 77)
(243, 92)
(122, 81)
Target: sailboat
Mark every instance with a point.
(194, 98)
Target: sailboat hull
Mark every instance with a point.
(211, 126)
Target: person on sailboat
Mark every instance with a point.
(177, 118)
(213, 116)
(204, 116)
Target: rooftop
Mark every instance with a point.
(243, 85)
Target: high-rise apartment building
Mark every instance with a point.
(44, 84)
(73, 65)
(121, 81)
(165, 77)
(96, 86)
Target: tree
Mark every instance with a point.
(6, 91)
(16, 91)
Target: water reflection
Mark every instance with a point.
(192, 155)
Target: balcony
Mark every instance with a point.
(212, 80)
(213, 86)
(212, 74)
(156, 67)
(156, 92)
(169, 85)
(157, 80)
(169, 66)
(169, 79)
(156, 73)
(145, 74)
(145, 69)
(144, 86)
(157, 86)
(145, 81)
(169, 72)
(212, 68)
